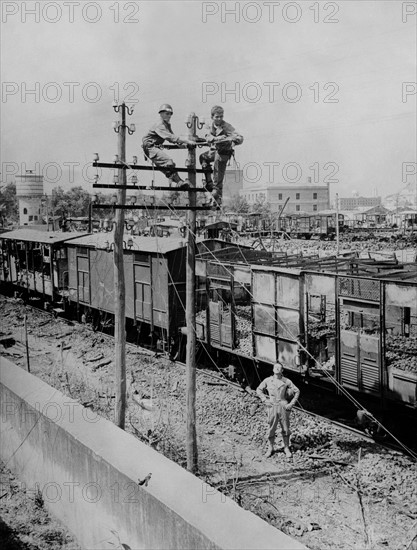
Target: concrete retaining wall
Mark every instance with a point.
(87, 470)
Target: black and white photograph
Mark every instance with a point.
(208, 275)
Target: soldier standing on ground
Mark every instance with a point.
(282, 396)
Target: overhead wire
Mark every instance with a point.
(294, 338)
(340, 387)
(181, 301)
(173, 212)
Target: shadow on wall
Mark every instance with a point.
(9, 540)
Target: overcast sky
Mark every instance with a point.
(325, 89)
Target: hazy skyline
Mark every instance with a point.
(318, 89)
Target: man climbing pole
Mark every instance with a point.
(151, 144)
(221, 137)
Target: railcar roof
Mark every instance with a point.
(331, 265)
(277, 268)
(169, 224)
(219, 225)
(161, 245)
(44, 237)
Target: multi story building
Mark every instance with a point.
(29, 192)
(301, 197)
(232, 184)
(350, 203)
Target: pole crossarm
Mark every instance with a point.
(147, 187)
(169, 146)
(117, 166)
(151, 207)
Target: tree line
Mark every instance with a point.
(75, 203)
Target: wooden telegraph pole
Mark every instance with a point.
(337, 226)
(120, 306)
(191, 442)
(119, 277)
(27, 342)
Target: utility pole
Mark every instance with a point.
(27, 342)
(120, 334)
(337, 224)
(119, 278)
(191, 438)
(90, 216)
(44, 203)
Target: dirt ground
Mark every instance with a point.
(24, 522)
(338, 491)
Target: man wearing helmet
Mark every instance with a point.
(282, 396)
(160, 132)
(221, 136)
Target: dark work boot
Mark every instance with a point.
(208, 184)
(179, 183)
(217, 198)
(287, 451)
(270, 450)
(208, 200)
(184, 185)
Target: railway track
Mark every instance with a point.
(220, 379)
(387, 446)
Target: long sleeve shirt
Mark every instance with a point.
(159, 133)
(226, 130)
(278, 390)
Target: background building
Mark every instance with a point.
(350, 203)
(302, 197)
(29, 192)
(404, 198)
(232, 184)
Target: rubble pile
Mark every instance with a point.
(243, 319)
(25, 520)
(392, 479)
(231, 427)
(401, 352)
(318, 329)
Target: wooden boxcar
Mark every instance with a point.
(358, 330)
(155, 275)
(306, 226)
(154, 272)
(351, 320)
(252, 307)
(36, 262)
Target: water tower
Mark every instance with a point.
(29, 191)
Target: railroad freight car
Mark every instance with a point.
(73, 273)
(321, 225)
(253, 313)
(35, 263)
(328, 323)
(155, 275)
(154, 281)
(348, 320)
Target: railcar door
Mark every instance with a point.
(83, 276)
(360, 334)
(221, 318)
(320, 316)
(220, 311)
(401, 341)
(143, 290)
